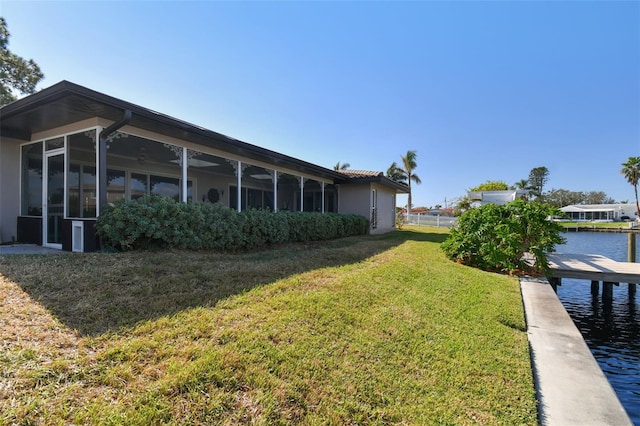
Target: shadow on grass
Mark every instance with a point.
(98, 292)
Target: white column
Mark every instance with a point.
(301, 193)
(275, 190)
(322, 184)
(185, 165)
(99, 202)
(239, 173)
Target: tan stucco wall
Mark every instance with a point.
(9, 188)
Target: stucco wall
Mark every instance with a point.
(386, 209)
(356, 199)
(9, 188)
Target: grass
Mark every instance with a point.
(364, 330)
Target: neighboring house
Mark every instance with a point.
(600, 212)
(497, 197)
(67, 150)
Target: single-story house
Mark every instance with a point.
(601, 212)
(68, 150)
(497, 197)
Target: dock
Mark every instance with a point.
(595, 268)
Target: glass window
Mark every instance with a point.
(54, 143)
(165, 186)
(31, 190)
(81, 177)
(116, 185)
(138, 185)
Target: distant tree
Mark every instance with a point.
(491, 185)
(597, 197)
(409, 163)
(463, 204)
(522, 184)
(538, 177)
(564, 197)
(631, 171)
(396, 174)
(16, 73)
(343, 166)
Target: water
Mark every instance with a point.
(611, 330)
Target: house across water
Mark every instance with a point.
(68, 150)
(600, 212)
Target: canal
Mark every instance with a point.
(611, 329)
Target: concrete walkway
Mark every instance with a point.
(571, 388)
(26, 249)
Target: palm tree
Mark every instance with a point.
(396, 174)
(410, 164)
(343, 166)
(631, 172)
(522, 184)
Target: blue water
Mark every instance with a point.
(611, 330)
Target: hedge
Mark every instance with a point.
(160, 222)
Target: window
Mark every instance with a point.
(81, 175)
(31, 190)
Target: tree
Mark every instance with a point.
(491, 185)
(631, 172)
(343, 166)
(410, 164)
(16, 73)
(538, 177)
(522, 184)
(395, 173)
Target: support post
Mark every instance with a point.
(595, 287)
(631, 247)
(607, 290)
(632, 290)
(555, 282)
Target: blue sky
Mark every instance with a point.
(481, 89)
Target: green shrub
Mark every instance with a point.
(495, 238)
(160, 222)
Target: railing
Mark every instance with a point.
(429, 220)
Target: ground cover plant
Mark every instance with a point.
(361, 330)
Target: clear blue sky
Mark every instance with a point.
(482, 90)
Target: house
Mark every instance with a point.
(68, 150)
(497, 197)
(600, 212)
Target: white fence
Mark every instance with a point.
(429, 220)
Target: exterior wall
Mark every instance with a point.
(386, 209)
(9, 188)
(357, 199)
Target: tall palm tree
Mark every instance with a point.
(631, 172)
(410, 164)
(343, 166)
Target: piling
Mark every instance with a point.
(607, 290)
(595, 287)
(631, 257)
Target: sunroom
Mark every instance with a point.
(60, 138)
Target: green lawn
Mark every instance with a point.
(364, 330)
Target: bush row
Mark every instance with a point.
(160, 222)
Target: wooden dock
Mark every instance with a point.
(596, 269)
(593, 267)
